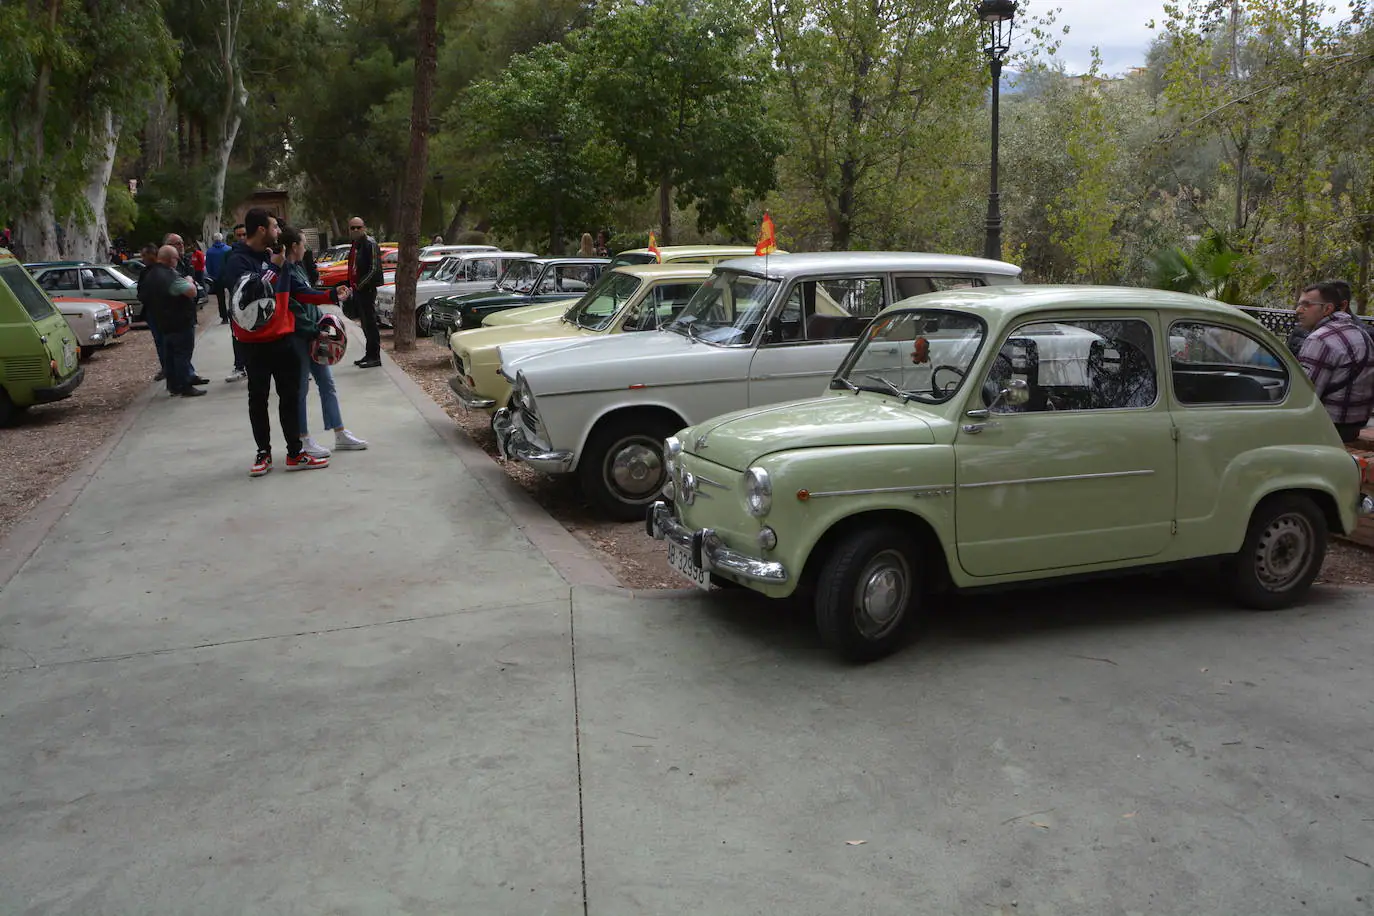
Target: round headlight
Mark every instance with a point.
(758, 492)
(672, 447)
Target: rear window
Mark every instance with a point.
(630, 259)
(29, 295)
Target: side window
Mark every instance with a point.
(909, 286)
(1077, 364)
(26, 291)
(97, 279)
(59, 279)
(573, 278)
(1214, 364)
(485, 269)
(105, 279)
(825, 310)
(660, 306)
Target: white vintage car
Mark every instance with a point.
(760, 331)
(461, 272)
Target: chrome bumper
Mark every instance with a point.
(708, 551)
(512, 442)
(467, 397)
(1365, 506)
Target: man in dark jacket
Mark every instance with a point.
(173, 301)
(214, 264)
(364, 276)
(269, 354)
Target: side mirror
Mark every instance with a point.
(1017, 393)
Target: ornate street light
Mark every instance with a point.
(997, 18)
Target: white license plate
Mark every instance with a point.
(680, 558)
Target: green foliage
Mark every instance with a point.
(121, 210)
(1214, 268)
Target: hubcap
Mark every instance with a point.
(1283, 551)
(882, 595)
(634, 470)
(422, 319)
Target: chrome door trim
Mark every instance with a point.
(933, 489)
(1023, 480)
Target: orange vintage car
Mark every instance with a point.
(337, 274)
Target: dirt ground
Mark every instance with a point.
(638, 561)
(52, 440)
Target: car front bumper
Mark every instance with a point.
(60, 391)
(513, 443)
(470, 399)
(709, 552)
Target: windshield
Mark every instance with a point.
(727, 310)
(597, 309)
(29, 295)
(630, 259)
(427, 271)
(448, 268)
(520, 276)
(920, 354)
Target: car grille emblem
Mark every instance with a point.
(701, 441)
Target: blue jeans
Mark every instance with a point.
(157, 340)
(324, 380)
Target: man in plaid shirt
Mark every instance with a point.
(1338, 357)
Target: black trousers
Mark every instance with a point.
(177, 346)
(366, 301)
(1349, 432)
(268, 363)
(223, 305)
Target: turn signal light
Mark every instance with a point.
(803, 495)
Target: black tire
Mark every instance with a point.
(8, 412)
(868, 570)
(621, 470)
(1283, 552)
(422, 325)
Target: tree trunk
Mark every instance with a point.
(665, 210)
(455, 225)
(88, 236)
(417, 168)
(231, 112)
(35, 232)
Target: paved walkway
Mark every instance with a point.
(395, 687)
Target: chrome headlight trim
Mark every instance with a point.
(758, 492)
(672, 448)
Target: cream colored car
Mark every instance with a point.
(624, 300)
(671, 254)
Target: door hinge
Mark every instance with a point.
(1173, 431)
(1173, 527)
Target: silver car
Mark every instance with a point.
(460, 273)
(92, 281)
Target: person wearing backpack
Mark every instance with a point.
(306, 302)
(263, 324)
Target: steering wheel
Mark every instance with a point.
(944, 391)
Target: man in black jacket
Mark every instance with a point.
(365, 275)
(173, 300)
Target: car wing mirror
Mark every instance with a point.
(1016, 394)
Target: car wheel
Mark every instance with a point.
(1282, 554)
(422, 321)
(8, 412)
(869, 593)
(622, 468)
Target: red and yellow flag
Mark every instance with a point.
(653, 246)
(768, 240)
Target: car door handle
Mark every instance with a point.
(973, 428)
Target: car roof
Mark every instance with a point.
(571, 260)
(789, 266)
(692, 251)
(44, 265)
(668, 271)
(1002, 301)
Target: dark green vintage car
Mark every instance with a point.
(524, 283)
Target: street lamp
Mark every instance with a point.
(997, 18)
(438, 178)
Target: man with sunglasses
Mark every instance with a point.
(364, 276)
(1338, 357)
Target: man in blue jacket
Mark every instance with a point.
(214, 264)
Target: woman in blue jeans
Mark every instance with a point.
(307, 326)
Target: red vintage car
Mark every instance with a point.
(337, 274)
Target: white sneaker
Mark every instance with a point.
(237, 375)
(345, 441)
(313, 448)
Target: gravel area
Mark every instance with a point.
(638, 561)
(52, 440)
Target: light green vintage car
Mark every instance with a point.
(977, 438)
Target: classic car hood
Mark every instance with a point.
(612, 361)
(551, 311)
(487, 297)
(488, 339)
(737, 440)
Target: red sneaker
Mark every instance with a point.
(261, 465)
(304, 462)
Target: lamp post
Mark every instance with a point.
(997, 18)
(439, 196)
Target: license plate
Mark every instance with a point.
(680, 558)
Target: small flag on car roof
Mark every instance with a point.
(653, 246)
(768, 241)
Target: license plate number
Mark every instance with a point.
(680, 558)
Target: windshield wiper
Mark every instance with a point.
(891, 388)
(847, 383)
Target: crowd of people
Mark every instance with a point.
(265, 293)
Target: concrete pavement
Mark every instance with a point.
(393, 686)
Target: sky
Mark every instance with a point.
(1119, 28)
